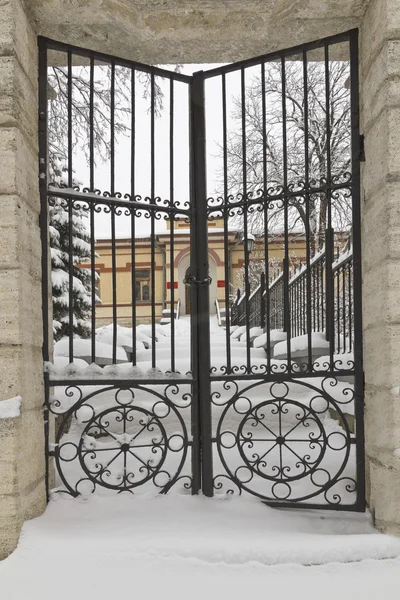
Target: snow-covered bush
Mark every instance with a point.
(59, 230)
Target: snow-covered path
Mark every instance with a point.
(189, 547)
(179, 547)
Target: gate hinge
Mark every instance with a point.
(362, 148)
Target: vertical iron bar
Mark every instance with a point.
(133, 224)
(286, 222)
(329, 291)
(171, 199)
(307, 199)
(343, 271)
(92, 228)
(350, 305)
(265, 200)
(70, 218)
(319, 316)
(245, 208)
(44, 231)
(357, 297)
(153, 215)
(338, 313)
(199, 259)
(262, 303)
(112, 190)
(226, 219)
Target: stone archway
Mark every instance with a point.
(154, 38)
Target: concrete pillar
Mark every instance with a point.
(22, 465)
(380, 97)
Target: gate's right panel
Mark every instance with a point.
(284, 241)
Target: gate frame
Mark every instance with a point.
(200, 254)
(202, 463)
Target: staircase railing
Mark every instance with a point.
(307, 301)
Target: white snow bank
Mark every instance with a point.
(238, 332)
(235, 532)
(11, 408)
(276, 335)
(254, 332)
(83, 349)
(93, 371)
(147, 330)
(182, 327)
(98, 561)
(299, 343)
(60, 362)
(123, 337)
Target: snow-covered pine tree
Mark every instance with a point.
(60, 257)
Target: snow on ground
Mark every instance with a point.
(275, 335)
(83, 349)
(179, 547)
(318, 340)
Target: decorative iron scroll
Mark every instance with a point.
(278, 441)
(119, 438)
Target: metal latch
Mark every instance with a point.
(191, 280)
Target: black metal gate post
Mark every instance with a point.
(201, 359)
(357, 273)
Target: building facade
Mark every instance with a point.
(115, 285)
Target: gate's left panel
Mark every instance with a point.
(115, 225)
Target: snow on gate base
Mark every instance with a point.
(177, 547)
(158, 443)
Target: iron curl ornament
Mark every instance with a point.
(277, 441)
(120, 438)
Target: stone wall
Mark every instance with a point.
(380, 96)
(192, 31)
(22, 490)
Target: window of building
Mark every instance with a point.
(142, 284)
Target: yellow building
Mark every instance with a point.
(116, 285)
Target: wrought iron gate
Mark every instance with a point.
(271, 401)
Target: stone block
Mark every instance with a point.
(376, 166)
(31, 458)
(374, 31)
(385, 494)
(10, 523)
(381, 354)
(177, 30)
(33, 500)
(381, 83)
(18, 99)
(19, 173)
(381, 304)
(18, 36)
(21, 316)
(20, 243)
(21, 374)
(9, 435)
(382, 422)
(10, 331)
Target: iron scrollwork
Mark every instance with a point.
(284, 449)
(119, 438)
